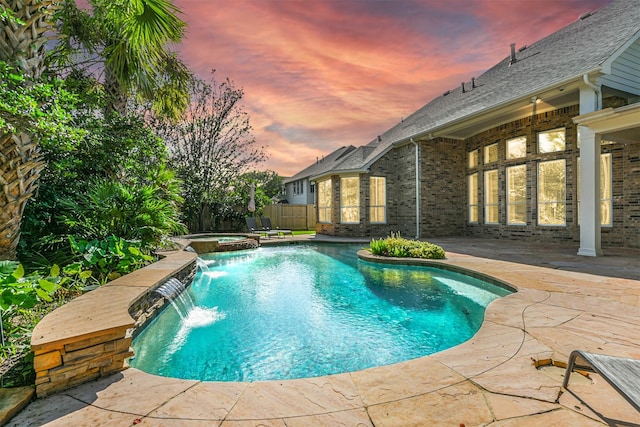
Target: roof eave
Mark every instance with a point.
(338, 172)
(441, 131)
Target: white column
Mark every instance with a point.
(589, 192)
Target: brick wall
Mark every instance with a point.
(625, 182)
(443, 186)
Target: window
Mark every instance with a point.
(551, 141)
(472, 157)
(606, 202)
(298, 187)
(324, 201)
(378, 199)
(551, 192)
(517, 195)
(491, 197)
(312, 188)
(473, 198)
(491, 153)
(350, 200)
(516, 147)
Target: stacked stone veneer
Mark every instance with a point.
(90, 337)
(443, 176)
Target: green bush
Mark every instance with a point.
(20, 296)
(105, 260)
(21, 292)
(398, 247)
(131, 212)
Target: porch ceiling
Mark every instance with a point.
(550, 100)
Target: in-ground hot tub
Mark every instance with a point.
(212, 242)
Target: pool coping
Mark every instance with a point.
(494, 377)
(90, 336)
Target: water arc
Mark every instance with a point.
(173, 290)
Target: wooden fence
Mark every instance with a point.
(291, 217)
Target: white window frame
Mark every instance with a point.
(564, 140)
(472, 198)
(344, 207)
(488, 150)
(472, 159)
(550, 202)
(607, 180)
(494, 205)
(509, 143)
(324, 211)
(376, 205)
(511, 204)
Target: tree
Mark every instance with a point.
(269, 183)
(127, 42)
(210, 148)
(24, 31)
(113, 180)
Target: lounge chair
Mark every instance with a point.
(252, 225)
(622, 373)
(266, 224)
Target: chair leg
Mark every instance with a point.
(570, 364)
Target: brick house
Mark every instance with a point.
(544, 146)
(300, 189)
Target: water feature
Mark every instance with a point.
(190, 314)
(306, 310)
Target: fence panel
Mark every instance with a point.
(292, 217)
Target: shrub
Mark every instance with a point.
(131, 212)
(21, 294)
(106, 259)
(396, 246)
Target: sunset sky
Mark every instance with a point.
(321, 74)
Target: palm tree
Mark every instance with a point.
(24, 31)
(129, 39)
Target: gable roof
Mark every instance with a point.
(580, 48)
(323, 165)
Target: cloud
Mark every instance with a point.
(318, 75)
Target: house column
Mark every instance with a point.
(589, 192)
(590, 100)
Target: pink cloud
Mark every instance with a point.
(318, 75)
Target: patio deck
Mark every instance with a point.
(565, 302)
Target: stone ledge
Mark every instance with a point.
(90, 336)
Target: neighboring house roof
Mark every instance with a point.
(580, 48)
(323, 165)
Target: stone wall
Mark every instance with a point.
(90, 336)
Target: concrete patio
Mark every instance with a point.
(564, 302)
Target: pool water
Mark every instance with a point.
(308, 310)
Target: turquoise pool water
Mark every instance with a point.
(308, 310)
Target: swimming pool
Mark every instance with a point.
(309, 310)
